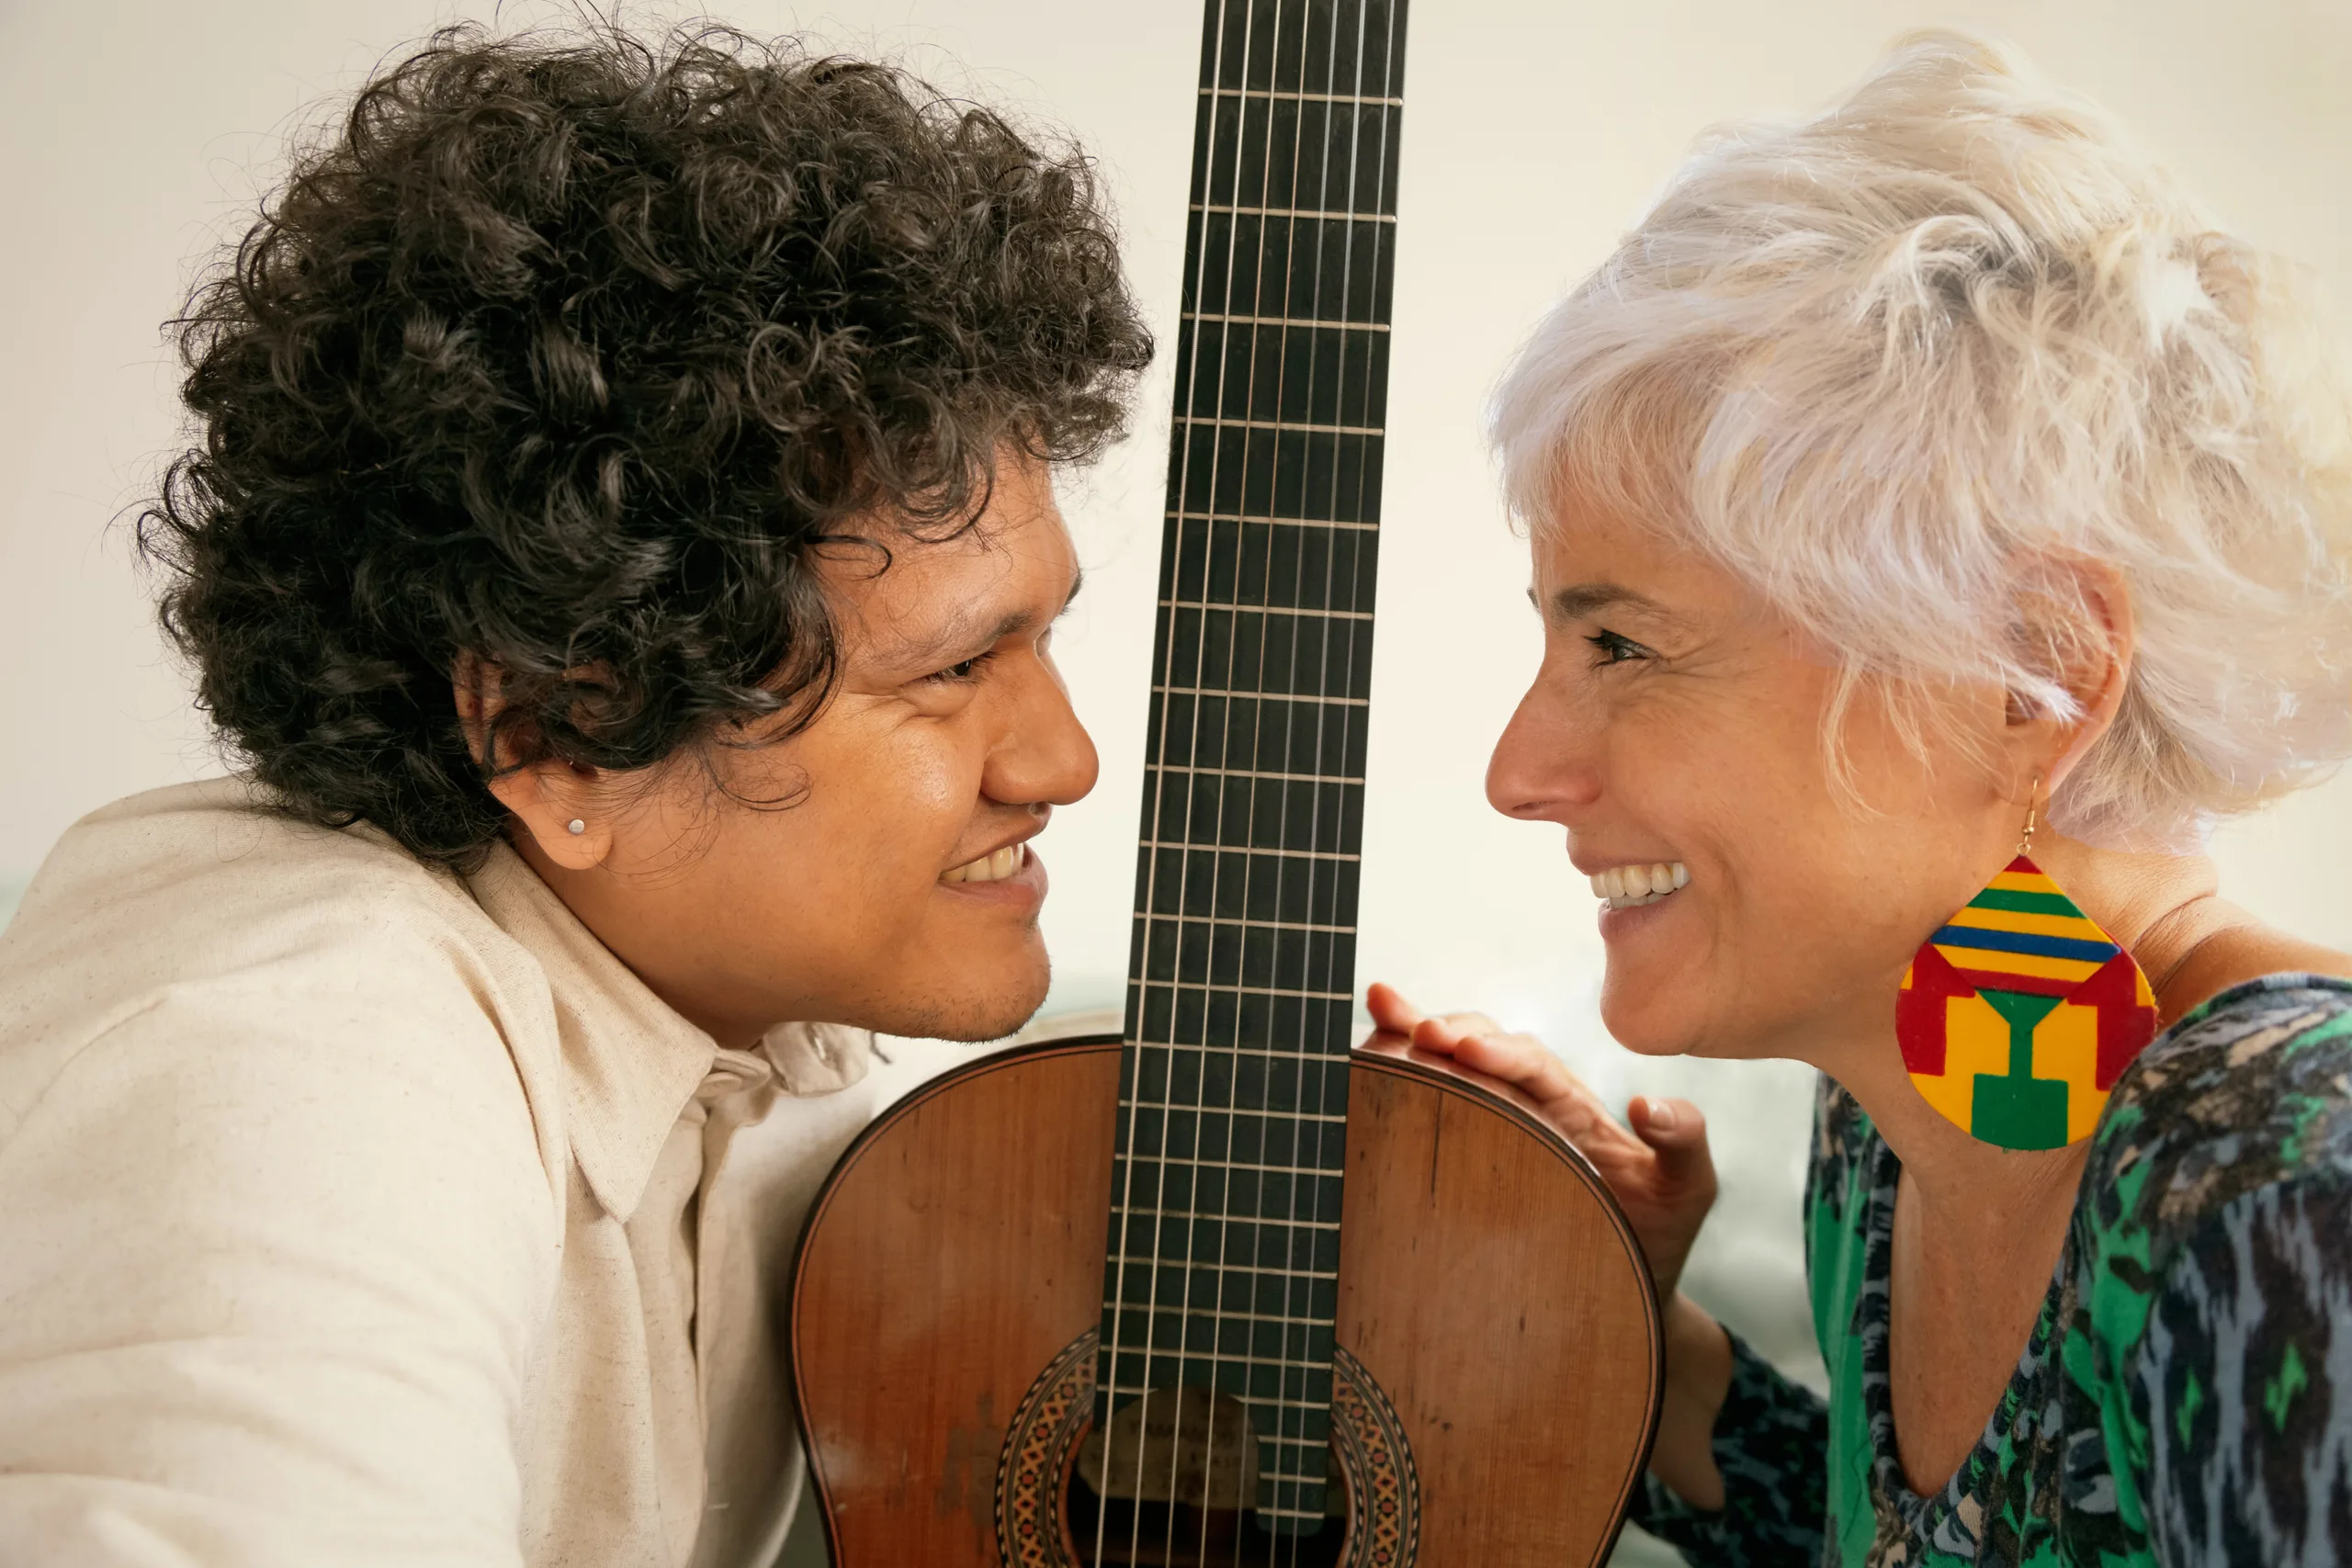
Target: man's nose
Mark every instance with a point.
(1046, 758)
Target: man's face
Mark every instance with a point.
(876, 869)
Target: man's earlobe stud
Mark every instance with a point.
(575, 827)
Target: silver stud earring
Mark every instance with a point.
(576, 827)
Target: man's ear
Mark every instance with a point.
(2089, 637)
(558, 803)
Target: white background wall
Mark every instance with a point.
(135, 134)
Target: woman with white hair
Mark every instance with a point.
(1937, 524)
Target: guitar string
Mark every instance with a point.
(1364, 458)
(1225, 1164)
(1290, 1489)
(1298, 1536)
(1107, 1360)
(1240, 554)
(1184, 468)
(1348, 717)
(1233, 1081)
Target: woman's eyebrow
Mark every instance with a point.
(1579, 600)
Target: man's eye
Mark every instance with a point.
(1615, 650)
(966, 671)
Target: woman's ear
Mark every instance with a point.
(2088, 638)
(559, 803)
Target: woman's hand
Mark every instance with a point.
(1659, 1169)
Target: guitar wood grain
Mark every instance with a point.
(1487, 1284)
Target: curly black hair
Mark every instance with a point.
(569, 352)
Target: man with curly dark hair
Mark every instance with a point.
(621, 549)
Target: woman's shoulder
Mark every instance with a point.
(1842, 1140)
(2251, 1090)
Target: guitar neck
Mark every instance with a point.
(1232, 1131)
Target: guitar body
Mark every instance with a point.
(1497, 1326)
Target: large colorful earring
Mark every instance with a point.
(2016, 1016)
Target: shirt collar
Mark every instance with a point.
(630, 1062)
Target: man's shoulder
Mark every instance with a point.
(2250, 1091)
(202, 904)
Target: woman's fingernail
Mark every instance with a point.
(1661, 1116)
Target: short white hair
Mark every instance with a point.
(1889, 364)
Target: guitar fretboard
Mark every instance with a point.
(1223, 1243)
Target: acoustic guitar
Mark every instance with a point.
(1225, 1292)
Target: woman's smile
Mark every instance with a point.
(1629, 887)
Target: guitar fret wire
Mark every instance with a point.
(1225, 1315)
(1305, 1053)
(1246, 923)
(1313, 321)
(1320, 215)
(1328, 1116)
(1263, 1271)
(1263, 609)
(1302, 97)
(1269, 521)
(1229, 692)
(1223, 989)
(1198, 771)
(1197, 1163)
(1280, 424)
(1224, 1219)
(1245, 850)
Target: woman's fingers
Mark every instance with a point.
(1448, 1031)
(1656, 1159)
(1677, 1130)
(1391, 1013)
(1519, 1060)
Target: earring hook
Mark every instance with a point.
(2033, 799)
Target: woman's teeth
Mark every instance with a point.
(991, 868)
(1630, 887)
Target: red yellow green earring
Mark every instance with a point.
(2019, 1014)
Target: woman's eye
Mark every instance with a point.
(1615, 649)
(966, 671)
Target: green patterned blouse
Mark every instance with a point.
(2176, 1403)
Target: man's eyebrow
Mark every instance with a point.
(964, 633)
(1579, 600)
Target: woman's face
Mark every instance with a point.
(1678, 721)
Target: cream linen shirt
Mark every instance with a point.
(354, 1213)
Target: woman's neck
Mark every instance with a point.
(2164, 912)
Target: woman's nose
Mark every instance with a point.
(1541, 769)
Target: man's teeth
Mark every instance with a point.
(991, 868)
(1629, 887)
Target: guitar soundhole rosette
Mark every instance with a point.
(1041, 1454)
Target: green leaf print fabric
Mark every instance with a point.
(2176, 1401)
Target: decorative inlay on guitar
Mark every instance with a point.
(1225, 1292)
